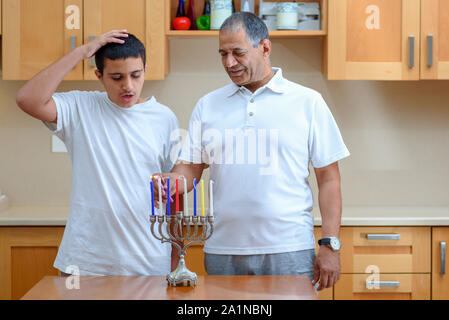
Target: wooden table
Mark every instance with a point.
(292, 287)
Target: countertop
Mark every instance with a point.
(290, 287)
(352, 216)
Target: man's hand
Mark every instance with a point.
(93, 46)
(326, 268)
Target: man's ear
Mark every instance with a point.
(266, 47)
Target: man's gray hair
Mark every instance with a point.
(256, 30)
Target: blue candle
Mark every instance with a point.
(194, 197)
(168, 196)
(152, 198)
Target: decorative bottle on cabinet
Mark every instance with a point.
(181, 12)
(247, 6)
(191, 14)
(206, 11)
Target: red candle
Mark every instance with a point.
(177, 197)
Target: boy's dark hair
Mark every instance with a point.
(132, 47)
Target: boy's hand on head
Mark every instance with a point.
(111, 36)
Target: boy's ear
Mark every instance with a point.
(99, 75)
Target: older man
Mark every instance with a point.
(263, 203)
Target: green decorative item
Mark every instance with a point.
(203, 22)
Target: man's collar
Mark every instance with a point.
(275, 84)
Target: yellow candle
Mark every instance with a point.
(202, 197)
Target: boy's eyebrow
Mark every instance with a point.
(118, 73)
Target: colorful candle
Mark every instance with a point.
(186, 205)
(152, 198)
(159, 183)
(211, 198)
(202, 198)
(168, 197)
(177, 196)
(194, 197)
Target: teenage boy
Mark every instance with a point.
(116, 140)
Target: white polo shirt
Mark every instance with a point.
(258, 146)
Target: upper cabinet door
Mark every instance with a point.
(0, 17)
(373, 40)
(434, 39)
(143, 18)
(37, 33)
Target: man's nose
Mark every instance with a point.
(230, 61)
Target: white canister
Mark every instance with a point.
(219, 11)
(287, 16)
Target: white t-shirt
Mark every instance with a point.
(258, 147)
(114, 151)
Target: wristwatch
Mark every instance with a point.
(333, 242)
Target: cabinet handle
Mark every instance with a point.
(429, 50)
(384, 284)
(72, 43)
(92, 59)
(383, 236)
(442, 257)
(411, 40)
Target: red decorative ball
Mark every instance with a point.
(181, 23)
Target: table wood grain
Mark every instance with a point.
(289, 287)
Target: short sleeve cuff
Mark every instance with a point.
(336, 157)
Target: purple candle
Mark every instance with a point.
(194, 197)
(168, 197)
(152, 198)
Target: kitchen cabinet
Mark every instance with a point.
(35, 35)
(1, 17)
(385, 263)
(440, 276)
(387, 40)
(26, 255)
(434, 39)
(389, 249)
(373, 40)
(40, 32)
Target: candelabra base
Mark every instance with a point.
(181, 276)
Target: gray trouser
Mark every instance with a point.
(288, 263)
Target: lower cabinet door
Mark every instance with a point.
(195, 259)
(383, 287)
(27, 255)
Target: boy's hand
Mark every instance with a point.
(93, 46)
(164, 191)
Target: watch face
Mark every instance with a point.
(335, 244)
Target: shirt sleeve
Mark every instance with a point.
(192, 149)
(325, 141)
(67, 115)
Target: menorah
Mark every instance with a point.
(170, 229)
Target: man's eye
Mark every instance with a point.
(116, 78)
(136, 76)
